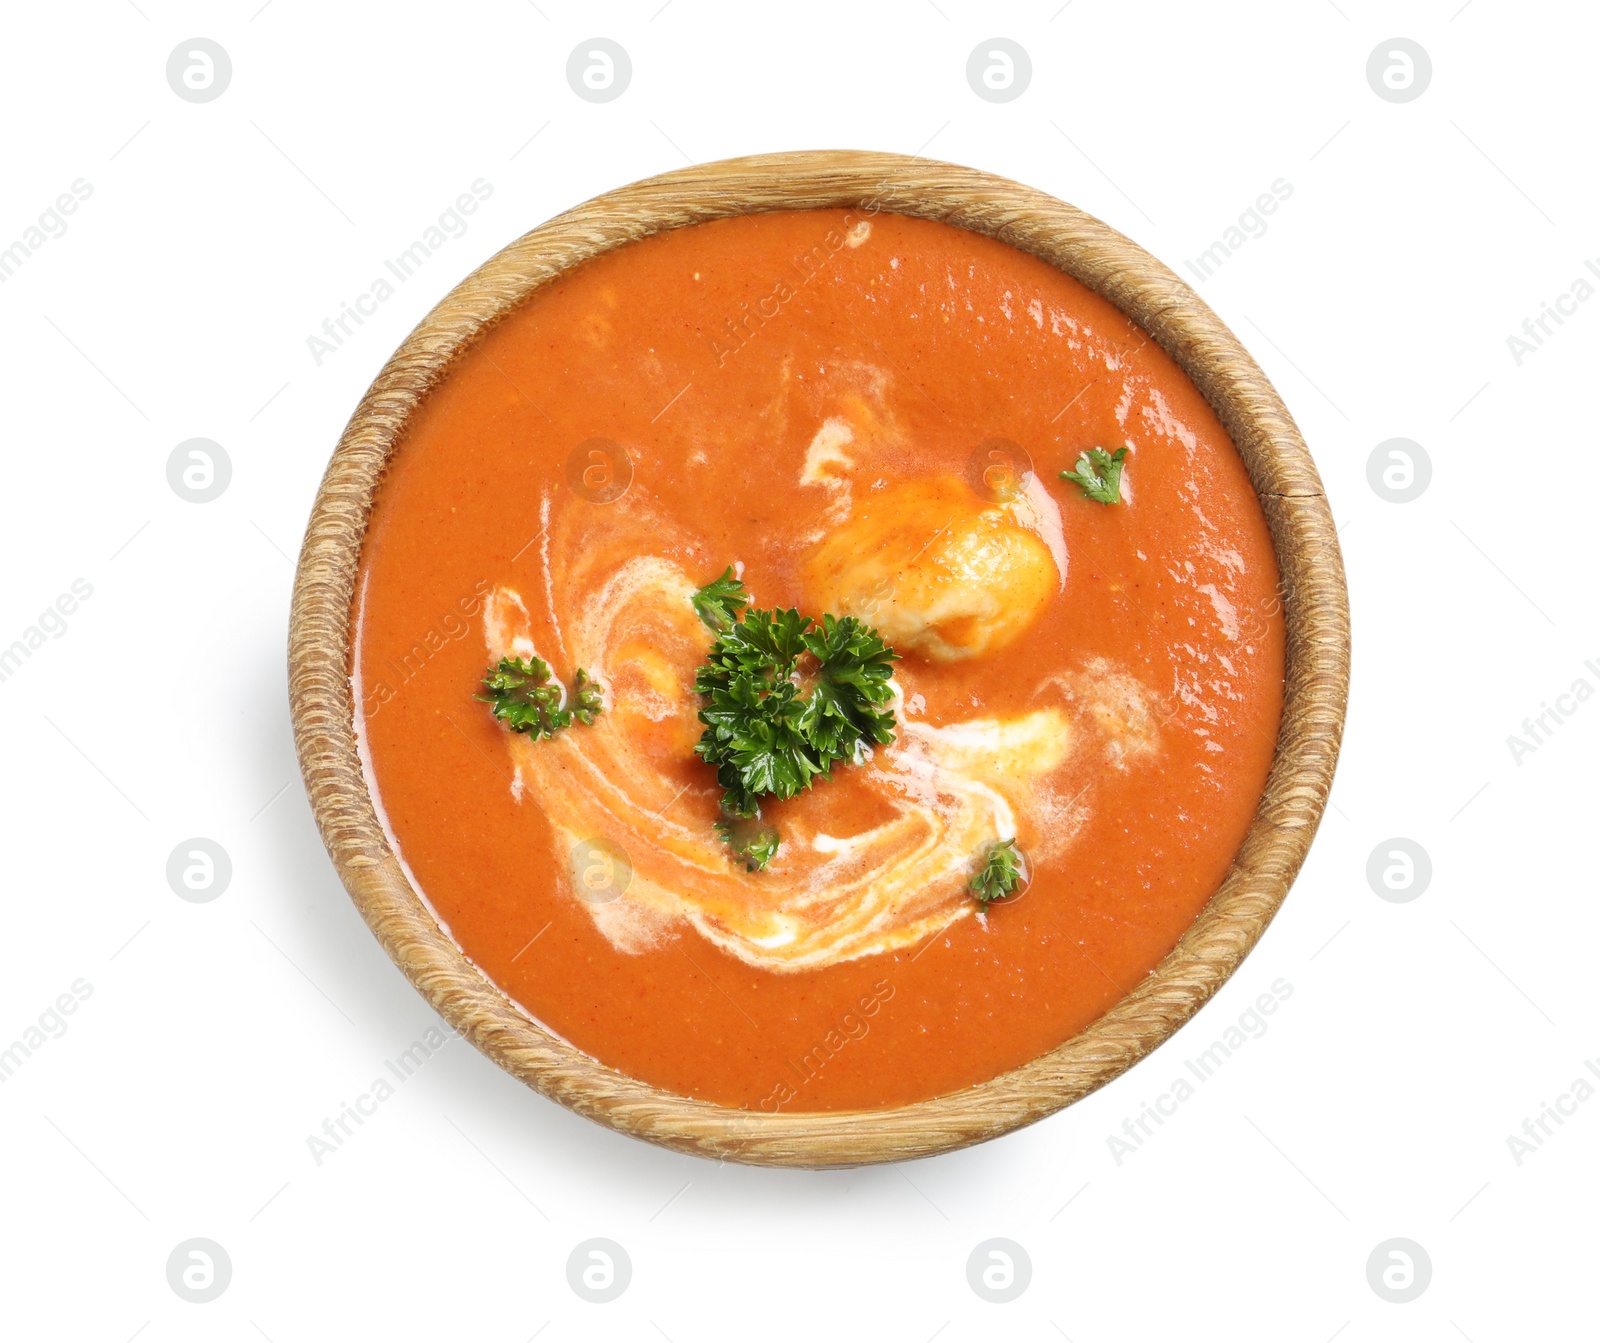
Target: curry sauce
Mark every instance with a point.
(867, 415)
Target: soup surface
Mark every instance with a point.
(865, 415)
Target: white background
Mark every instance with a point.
(218, 1036)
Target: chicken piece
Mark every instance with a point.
(937, 569)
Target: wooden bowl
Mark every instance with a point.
(1313, 596)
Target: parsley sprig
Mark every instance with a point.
(752, 843)
(1099, 474)
(586, 698)
(785, 698)
(721, 600)
(1002, 870)
(523, 697)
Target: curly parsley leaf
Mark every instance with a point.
(586, 698)
(751, 718)
(1099, 474)
(851, 684)
(785, 699)
(1003, 869)
(523, 697)
(753, 845)
(721, 600)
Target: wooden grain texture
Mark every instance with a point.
(1313, 594)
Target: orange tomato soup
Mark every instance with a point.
(865, 414)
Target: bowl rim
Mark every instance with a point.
(1312, 593)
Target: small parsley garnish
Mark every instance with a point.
(754, 845)
(785, 699)
(522, 696)
(1002, 871)
(721, 600)
(586, 698)
(1099, 473)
